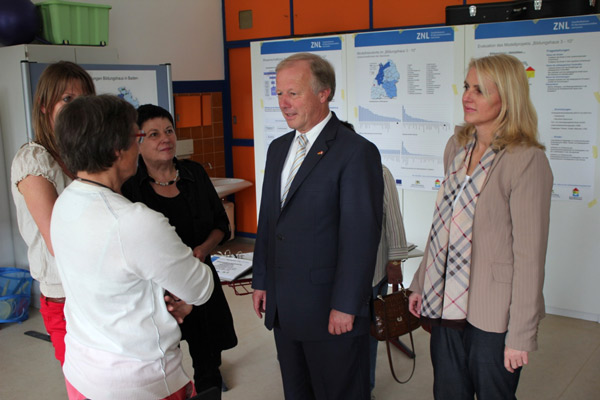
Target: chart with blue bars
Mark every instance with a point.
(405, 100)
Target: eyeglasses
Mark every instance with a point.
(140, 135)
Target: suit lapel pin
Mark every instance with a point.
(320, 153)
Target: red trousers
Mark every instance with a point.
(54, 320)
(185, 392)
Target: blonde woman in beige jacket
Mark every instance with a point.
(479, 286)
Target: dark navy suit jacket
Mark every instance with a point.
(318, 252)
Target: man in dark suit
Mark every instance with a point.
(318, 232)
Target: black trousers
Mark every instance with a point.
(470, 362)
(206, 364)
(336, 369)
(203, 348)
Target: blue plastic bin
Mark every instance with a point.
(15, 294)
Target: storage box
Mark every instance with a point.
(66, 22)
(15, 294)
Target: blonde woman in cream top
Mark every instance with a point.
(479, 286)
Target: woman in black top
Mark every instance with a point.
(183, 192)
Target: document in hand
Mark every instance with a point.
(230, 268)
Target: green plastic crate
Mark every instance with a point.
(66, 22)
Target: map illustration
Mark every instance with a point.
(384, 85)
(125, 94)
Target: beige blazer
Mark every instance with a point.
(510, 236)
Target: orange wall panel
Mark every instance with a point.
(187, 111)
(240, 77)
(323, 16)
(270, 18)
(206, 109)
(245, 200)
(394, 13)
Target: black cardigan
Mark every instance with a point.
(212, 322)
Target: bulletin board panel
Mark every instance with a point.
(562, 59)
(138, 84)
(404, 90)
(269, 124)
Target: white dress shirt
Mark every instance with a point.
(311, 136)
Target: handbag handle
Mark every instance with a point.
(387, 345)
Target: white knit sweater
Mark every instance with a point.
(115, 259)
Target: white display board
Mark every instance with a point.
(562, 59)
(404, 91)
(401, 90)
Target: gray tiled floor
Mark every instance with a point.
(567, 366)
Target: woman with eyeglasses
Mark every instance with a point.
(183, 192)
(116, 260)
(38, 176)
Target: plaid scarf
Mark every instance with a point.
(448, 262)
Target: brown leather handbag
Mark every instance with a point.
(391, 320)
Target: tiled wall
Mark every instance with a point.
(209, 144)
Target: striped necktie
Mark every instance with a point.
(300, 154)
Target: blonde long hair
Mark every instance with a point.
(51, 86)
(517, 122)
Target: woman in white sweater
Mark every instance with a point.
(116, 259)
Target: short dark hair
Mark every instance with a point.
(348, 125)
(150, 111)
(90, 131)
